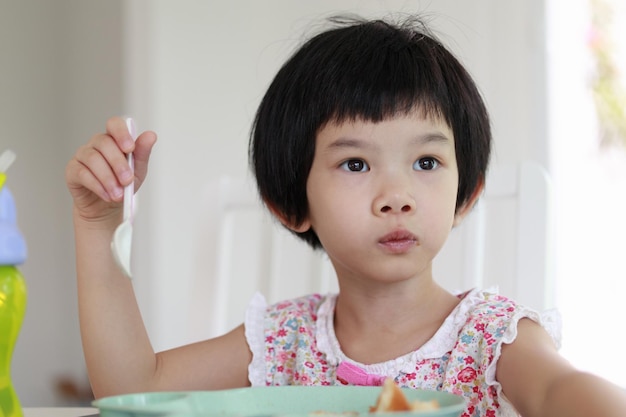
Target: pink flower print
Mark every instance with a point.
(480, 327)
(280, 368)
(491, 413)
(302, 330)
(411, 376)
(282, 333)
(468, 360)
(478, 393)
(309, 364)
(467, 374)
(269, 339)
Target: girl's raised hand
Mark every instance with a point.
(98, 172)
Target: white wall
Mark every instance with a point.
(194, 71)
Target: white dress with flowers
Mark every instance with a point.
(293, 343)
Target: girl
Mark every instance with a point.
(372, 143)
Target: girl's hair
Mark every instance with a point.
(366, 70)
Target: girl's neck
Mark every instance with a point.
(377, 326)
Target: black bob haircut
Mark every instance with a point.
(362, 70)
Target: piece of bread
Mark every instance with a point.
(424, 405)
(392, 399)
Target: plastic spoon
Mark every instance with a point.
(123, 237)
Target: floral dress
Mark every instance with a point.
(294, 343)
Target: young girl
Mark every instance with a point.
(372, 143)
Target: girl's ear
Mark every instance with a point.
(465, 209)
(287, 222)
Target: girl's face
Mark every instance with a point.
(382, 196)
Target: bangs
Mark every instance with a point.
(394, 75)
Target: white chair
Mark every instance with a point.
(241, 250)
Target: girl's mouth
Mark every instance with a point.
(400, 241)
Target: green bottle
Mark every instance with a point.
(12, 298)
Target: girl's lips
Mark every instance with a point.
(399, 241)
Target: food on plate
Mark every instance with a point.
(392, 399)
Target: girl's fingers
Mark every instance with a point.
(82, 182)
(108, 165)
(101, 166)
(141, 148)
(115, 158)
(117, 129)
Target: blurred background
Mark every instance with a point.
(552, 74)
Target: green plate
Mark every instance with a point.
(286, 401)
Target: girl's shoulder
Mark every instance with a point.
(306, 305)
(494, 318)
(487, 311)
(490, 304)
(299, 312)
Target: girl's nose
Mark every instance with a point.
(394, 200)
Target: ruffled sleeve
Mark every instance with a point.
(254, 335)
(550, 320)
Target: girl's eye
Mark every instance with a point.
(355, 165)
(426, 164)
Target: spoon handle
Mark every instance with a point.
(129, 190)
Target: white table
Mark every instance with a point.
(59, 411)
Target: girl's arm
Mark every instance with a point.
(118, 352)
(539, 382)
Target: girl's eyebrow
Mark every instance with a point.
(346, 142)
(435, 137)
